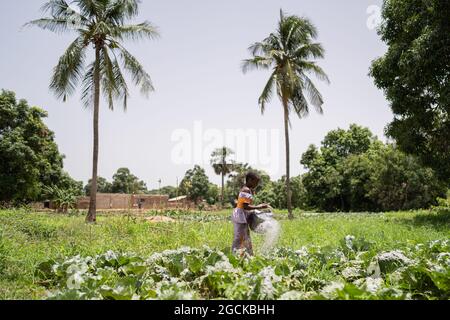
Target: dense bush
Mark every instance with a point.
(274, 192)
(353, 171)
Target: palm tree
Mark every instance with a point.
(288, 53)
(102, 24)
(221, 166)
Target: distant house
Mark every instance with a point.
(178, 199)
(181, 202)
(120, 201)
(117, 201)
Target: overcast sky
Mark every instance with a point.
(195, 67)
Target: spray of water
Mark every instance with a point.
(271, 229)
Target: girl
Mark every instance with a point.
(244, 208)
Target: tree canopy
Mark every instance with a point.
(195, 184)
(353, 171)
(29, 155)
(103, 186)
(126, 182)
(102, 25)
(415, 75)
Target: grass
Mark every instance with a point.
(29, 238)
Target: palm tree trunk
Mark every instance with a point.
(92, 214)
(222, 195)
(288, 176)
(223, 171)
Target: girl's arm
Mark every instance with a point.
(249, 207)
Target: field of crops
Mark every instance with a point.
(403, 255)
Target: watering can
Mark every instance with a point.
(256, 218)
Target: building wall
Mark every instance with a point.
(115, 201)
(119, 201)
(149, 201)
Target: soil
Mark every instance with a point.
(157, 219)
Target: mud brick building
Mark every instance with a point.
(115, 201)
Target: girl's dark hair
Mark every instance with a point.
(252, 176)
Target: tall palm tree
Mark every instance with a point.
(222, 165)
(102, 24)
(288, 53)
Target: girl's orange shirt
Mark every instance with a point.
(239, 213)
(244, 198)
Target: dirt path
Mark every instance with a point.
(157, 219)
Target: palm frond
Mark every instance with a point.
(138, 74)
(101, 28)
(313, 68)
(56, 8)
(267, 92)
(68, 71)
(295, 30)
(52, 24)
(109, 84)
(314, 95)
(88, 8)
(63, 11)
(304, 28)
(256, 62)
(310, 50)
(87, 87)
(291, 77)
(101, 23)
(121, 85)
(257, 49)
(140, 31)
(221, 152)
(273, 42)
(299, 103)
(118, 11)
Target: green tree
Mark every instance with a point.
(401, 182)
(29, 157)
(64, 199)
(103, 186)
(268, 194)
(297, 189)
(195, 184)
(369, 176)
(213, 194)
(324, 180)
(223, 166)
(103, 26)
(415, 75)
(125, 182)
(66, 182)
(288, 53)
(167, 190)
(341, 143)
